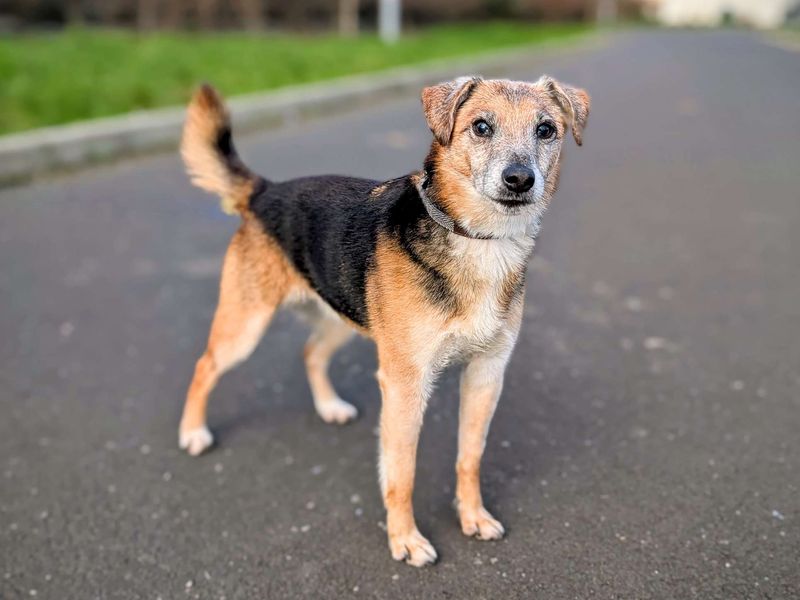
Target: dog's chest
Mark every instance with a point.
(488, 278)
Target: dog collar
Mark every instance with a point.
(444, 220)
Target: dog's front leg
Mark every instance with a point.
(405, 393)
(481, 384)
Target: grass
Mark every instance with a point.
(53, 78)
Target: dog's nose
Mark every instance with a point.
(518, 178)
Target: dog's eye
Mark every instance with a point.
(545, 131)
(482, 128)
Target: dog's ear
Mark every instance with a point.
(441, 103)
(573, 101)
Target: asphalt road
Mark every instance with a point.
(646, 445)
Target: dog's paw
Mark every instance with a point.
(413, 548)
(336, 411)
(195, 441)
(480, 524)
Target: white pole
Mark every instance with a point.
(389, 20)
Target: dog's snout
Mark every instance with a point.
(518, 178)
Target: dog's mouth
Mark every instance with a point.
(513, 201)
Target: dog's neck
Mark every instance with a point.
(440, 216)
(425, 183)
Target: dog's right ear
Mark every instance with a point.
(573, 101)
(441, 103)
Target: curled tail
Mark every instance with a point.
(209, 155)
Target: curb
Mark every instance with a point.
(784, 41)
(26, 155)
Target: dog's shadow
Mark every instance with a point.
(540, 426)
(271, 392)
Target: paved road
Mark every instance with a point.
(647, 443)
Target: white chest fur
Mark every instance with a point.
(485, 268)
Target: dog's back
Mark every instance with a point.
(327, 226)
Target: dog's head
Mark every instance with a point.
(494, 161)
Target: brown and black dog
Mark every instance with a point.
(430, 265)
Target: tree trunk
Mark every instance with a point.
(207, 11)
(73, 12)
(147, 14)
(606, 11)
(348, 17)
(251, 14)
(109, 11)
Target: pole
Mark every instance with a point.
(389, 20)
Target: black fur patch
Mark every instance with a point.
(226, 149)
(423, 240)
(224, 142)
(329, 226)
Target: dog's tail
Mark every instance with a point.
(209, 155)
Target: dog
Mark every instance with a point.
(430, 265)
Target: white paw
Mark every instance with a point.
(413, 548)
(195, 441)
(481, 524)
(336, 411)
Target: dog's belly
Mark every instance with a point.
(310, 307)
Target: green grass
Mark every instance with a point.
(47, 79)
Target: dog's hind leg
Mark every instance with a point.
(330, 333)
(246, 305)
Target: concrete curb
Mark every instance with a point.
(25, 155)
(782, 40)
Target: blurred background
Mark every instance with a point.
(150, 53)
(646, 444)
(351, 16)
(345, 16)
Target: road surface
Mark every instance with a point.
(646, 445)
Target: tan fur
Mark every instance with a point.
(573, 101)
(206, 117)
(441, 104)
(481, 384)
(378, 190)
(256, 278)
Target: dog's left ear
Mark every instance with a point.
(573, 101)
(441, 103)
